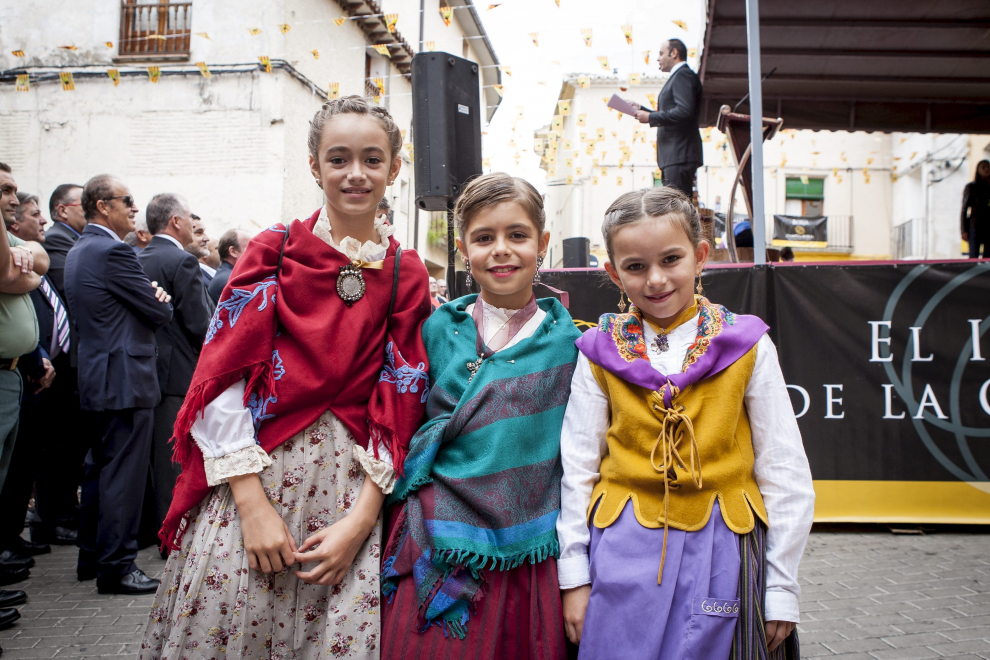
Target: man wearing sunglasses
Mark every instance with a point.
(116, 310)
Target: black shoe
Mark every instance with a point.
(30, 548)
(56, 536)
(12, 598)
(12, 560)
(84, 575)
(8, 616)
(135, 582)
(11, 576)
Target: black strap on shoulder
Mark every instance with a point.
(395, 286)
(281, 252)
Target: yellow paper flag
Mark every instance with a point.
(17, 53)
(535, 37)
(866, 175)
(203, 69)
(109, 44)
(316, 54)
(680, 24)
(618, 180)
(499, 89)
(265, 62)
(507, 70)
(446, 13)
(254, 31)
(603, 60)
(634, 79)
(570, 179)
(567, 145)
(69, 48)
(68, 84)
(284, 27)
(565, 107)
(114, 75)
(627, 30)
(380, 84)
(431, 46)
(604, 171)
(601, 133)
(586, 33)
(582, 119)
(154, 73)
(558, 122)
(23, 82)
(204, 35)
(333, 91)
(339, 21)
(869, 161)
(577, 171)
(390, 21)
(646, 56)
(594, 180)
(382, 49)
(652, 98)
(584, 82)
(692, 52)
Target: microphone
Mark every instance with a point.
(736, 106)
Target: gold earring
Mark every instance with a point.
(700, 289)
(622, 301)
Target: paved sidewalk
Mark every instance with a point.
(867, 595)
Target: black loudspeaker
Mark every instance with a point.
(446, 127)
(577, 252)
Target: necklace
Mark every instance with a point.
(502, 336)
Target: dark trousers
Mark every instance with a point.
(164, 471)
(680, 176)
(979, 234)
(11, 390)
(115, 475)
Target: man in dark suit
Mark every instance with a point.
(65, 209)
(165, 261)
(676, 119)
(116, 310)
(231, 247)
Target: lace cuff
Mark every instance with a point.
(249, 460)
(381, 472)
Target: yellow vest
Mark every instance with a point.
(723, 454)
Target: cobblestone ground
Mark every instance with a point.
(867, 595)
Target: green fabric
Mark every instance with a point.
(18, 323)
(814, 189)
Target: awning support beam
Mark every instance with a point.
(756, 129)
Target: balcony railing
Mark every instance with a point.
(158, 30)
(910, 240)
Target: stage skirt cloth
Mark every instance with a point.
(705, 607)
(211, 605)
(519, 618)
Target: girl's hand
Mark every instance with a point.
(334, 549)
(575, 603)
(267, 541)
(777, 632)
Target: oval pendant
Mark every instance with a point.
(350, 284)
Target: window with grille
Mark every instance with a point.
(154, 29)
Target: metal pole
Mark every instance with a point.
(756, 129)
(422, 16)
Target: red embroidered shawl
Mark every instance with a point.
(322, 354)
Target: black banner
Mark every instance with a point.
(800, 232)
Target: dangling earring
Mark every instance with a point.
(469, 281)
(539, 264)
(318, 184)
(700, 289)
(622, 301)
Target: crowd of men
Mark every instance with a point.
(101, 322)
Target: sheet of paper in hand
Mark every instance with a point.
(621, 105)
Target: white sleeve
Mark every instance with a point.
(784, 477)
(582, 446)
(380, 470)
(225, 435)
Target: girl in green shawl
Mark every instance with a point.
(474, 538)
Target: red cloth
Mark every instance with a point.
(520, 618)
(324, 355)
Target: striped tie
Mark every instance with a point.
(60, 337)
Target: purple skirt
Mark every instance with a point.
(691, 615)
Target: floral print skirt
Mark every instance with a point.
(212, 605)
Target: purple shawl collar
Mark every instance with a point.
(617, 345)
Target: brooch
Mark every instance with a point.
(350, 284)
(660, 343)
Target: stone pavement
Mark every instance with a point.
(867, 595)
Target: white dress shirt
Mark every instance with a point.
(107, 230)
(781, 466)
(174, 240)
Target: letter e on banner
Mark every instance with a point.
(876, 340)
(829, 400)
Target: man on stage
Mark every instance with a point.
(676, 119)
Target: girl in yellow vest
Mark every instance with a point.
(686, 496)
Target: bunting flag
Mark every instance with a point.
(577, 171)
(498, 88)
(114, 75)
(390, 21)
(552, 140)
(403, 134)
(382, 49)
(551, 171)
(558, 122)
(316, 54)
(203, 69)
(254, 31)
(627, 30)
(646, 56)
(567, 145)
(586, 33)
(604, 171)
(68, 47)
(558, 3)
(17, 53)
(109, 44)
(614, 135)
(565, 109)
(866, 175)
(486, 162)
(618, 180)
(538, 144)
(284, 27)
(584, 82)
(652, 98)
(507, 70)
(601, 134)
(157, 37)
(493, 6)
(446, 13)
(204, 35)
(594, 180)
(570, 179)
(154, 73)
(265, 62)
(692, 53)
(377, 99)
(590, 151)
(783, 160)
(339, 21)
(409, 150)
(535, 37)
(869, 161)
(23, 82)
(333, 91)
(380, 84)
(680, 24)
(634, 79)
(603, 60)
(431, 46)
(582, 119)
(68, 84)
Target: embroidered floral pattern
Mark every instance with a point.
(405, 377)
(235, 304)
(259, 408)
(711, 319)
(627, 334)
(212, 604)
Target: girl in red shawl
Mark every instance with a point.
(312, 379)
